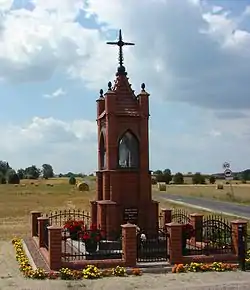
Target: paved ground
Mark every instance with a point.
(10, 279)
(214, 205)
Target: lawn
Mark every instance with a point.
(17, 201)
(240, 194)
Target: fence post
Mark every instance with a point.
(175, 242)
(55, 247)
(34, 222)
(129, 244)
(166, 216)
(242, 247)
(196, 221)
(42, 223)
(235, 239)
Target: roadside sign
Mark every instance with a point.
(226, 165)
(228, 174)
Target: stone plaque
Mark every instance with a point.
(131, 215)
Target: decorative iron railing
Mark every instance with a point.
(180, 216)
(214, 237)
(152, 246)
(59, 218)
(88, 245)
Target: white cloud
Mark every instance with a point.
(185, 52)
(57, 93)
(6, 4)
(65, 145)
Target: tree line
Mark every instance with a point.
(12, 176)
(178, 178)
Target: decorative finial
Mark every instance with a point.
(101, 93)
(121, 69)
(143, 87)
(109, 86)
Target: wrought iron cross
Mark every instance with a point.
(120, 43)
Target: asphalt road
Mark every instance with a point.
(213, 205)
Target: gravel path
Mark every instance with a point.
(11, 279)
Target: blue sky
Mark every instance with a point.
(193, 56)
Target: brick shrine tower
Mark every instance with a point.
(123, 177)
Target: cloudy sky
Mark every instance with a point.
(193, 55)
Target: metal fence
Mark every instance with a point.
(59, 218)
(152, 247)
(180, 216)
(88, 245)
(46, 235)
(213, 237)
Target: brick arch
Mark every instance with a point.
(102, 147)
(128, 153)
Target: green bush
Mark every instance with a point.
(13, 179)
(72, 180)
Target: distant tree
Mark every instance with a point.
(12, 177)
(198, 178)
(32, 172)
(245, 175)
(167, 176)
(158, 172)
(212, 179)
(47, 171)
(178, 178)
(21, 173)
(72, 180)
(4, 167)
(60, 175)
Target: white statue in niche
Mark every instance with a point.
(128, 151)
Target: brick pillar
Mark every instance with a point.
(42, 222)
(111, 220)
(166, 216)
(129, 244)
(55, 247)
(101, 218)
(34, 222)
(175, 242)
(106, 186)
(197, 223)
(93, 213)
(99, 185)
(235, 225)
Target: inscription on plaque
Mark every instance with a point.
(131, 215)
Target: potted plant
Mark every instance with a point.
(74, 228)
(91, 237)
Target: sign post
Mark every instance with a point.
(228, 174)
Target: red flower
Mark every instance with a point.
(86, 237)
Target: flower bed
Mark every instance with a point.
(248, 260)
(90, 271)
(202, 267)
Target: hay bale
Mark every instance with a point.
(83, 186)
(219, 186)
(162, 186)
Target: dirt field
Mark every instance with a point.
(237, 193)
(11, 279)
(16, 202)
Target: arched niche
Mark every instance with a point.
(102, 151)
(128, 150)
